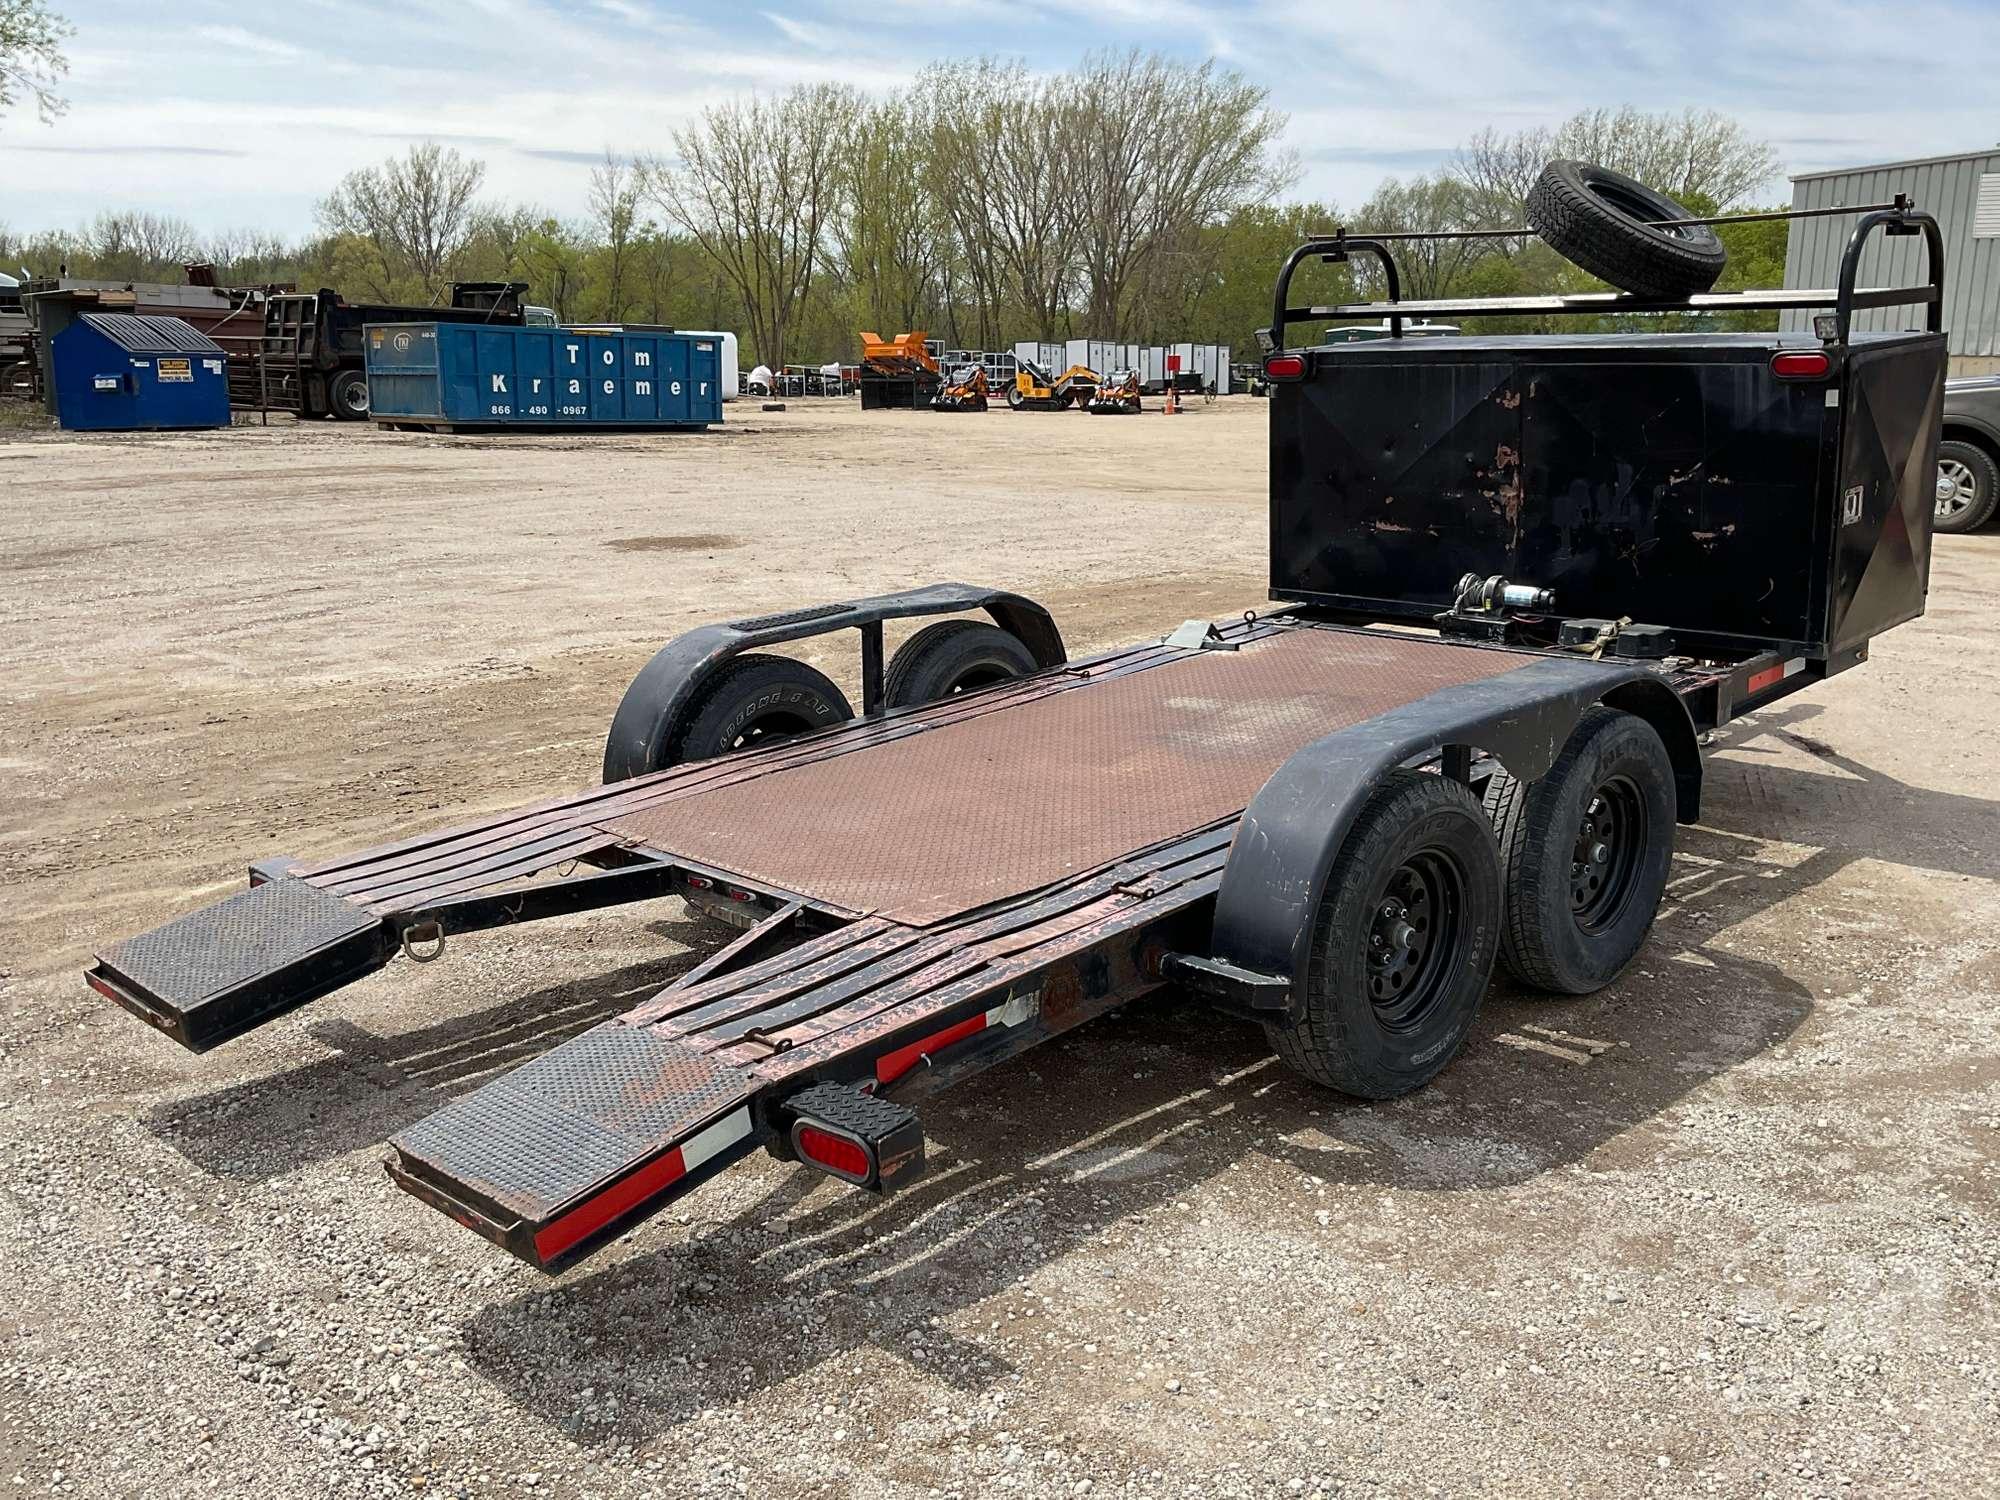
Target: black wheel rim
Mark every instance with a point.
(1604, 863)
(1415, 937)
(777, 724)
(1635, 207)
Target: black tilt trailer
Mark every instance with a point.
(1522, 576)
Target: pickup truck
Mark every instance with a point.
(1968, 479)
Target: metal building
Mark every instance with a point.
(1963, 193)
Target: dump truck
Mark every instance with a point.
(1035, 389)
(314, 356)
(1516, 581)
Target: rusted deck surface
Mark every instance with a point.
(649, 1097)
(984, 809)
(920, 816)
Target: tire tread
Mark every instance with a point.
(1318, 1045)
(1524, 950)
(1987, 470)
(1591, 234)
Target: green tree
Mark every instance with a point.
(32, 62)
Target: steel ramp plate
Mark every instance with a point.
(585, 1140)
(213, 973)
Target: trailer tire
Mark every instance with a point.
(751, 701)
(1403, 942)
(1601, 220)
(1585, 851)
(952, 657)
(347, 393)
(1973, 478)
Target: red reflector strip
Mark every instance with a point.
(580, 1223)
(1766, 678)
(893, 1065)
(834, 1152)
(628, 1193)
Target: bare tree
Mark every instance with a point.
(614, 211)
(755, 185)
(141, 246)
(31, 56)
(1004, 175)
(1426, 205)
(1694, 154)
(963, 102)
(1162, 149)
(891, 231)
(417, 210)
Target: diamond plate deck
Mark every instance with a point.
(966, 813)
(234, 942)
(535, 1138)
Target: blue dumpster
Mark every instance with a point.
(120, 372)
(453, 376)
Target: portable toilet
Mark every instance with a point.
(120, 372)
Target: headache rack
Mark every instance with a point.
(1897, 217)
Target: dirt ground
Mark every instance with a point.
(1730, 1227)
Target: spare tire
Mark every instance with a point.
(1603, 221)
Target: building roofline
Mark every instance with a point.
(1890, 166)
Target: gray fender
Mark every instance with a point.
(1292, 831)
(669, 682)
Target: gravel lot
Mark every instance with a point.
(1730, 1227)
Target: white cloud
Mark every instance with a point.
(1371, 90)
(236, 39)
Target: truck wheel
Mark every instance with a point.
(1968, 487)
(1014, 398)
(951, 657)
(752, 701)
(348, 394)
(1602, 221)
(1585, 850)
(1402, 944)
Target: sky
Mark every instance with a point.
(241, 117)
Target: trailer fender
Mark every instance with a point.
(1292, 830)
(668, 682)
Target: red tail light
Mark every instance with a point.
(1285, 367)
(1801, 364)
(841, 1155)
